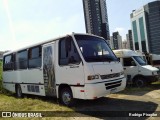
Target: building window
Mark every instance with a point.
(142, 34)
(135, 34)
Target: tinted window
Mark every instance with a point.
(8, 59)
(127, 61)
(21, 60)
(35, 52)
(21, 56)
(8, 63)
(35, 57)
(68, 52)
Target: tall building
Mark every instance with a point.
(125, 45)
(146, 28)
(96, 19)
(129, 40)
(116, 41)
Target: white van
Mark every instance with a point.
(136, 69)
(80, 66)
(151, 59)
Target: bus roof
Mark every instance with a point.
(125, 53)
(48, 41)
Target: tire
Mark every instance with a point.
(140, 82)
(66, 97)
(19, 91)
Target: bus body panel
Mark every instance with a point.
(46, 79)
(101, 89)
(19, 77)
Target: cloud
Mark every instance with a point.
(6, 6)
(29, 32)
(120, 29)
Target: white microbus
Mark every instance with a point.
(78, 66)
(136, 69)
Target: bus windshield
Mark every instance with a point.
(140, 60)
(95, 49)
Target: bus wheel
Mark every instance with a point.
(19, 91)
(66, 97)
(140, 82)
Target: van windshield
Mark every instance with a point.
(140, 60)
(95, 49)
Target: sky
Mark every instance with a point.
(25, 22)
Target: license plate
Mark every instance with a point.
(113, 90)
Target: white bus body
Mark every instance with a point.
(78, 66)
(135, 68)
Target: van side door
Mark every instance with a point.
(130, 68)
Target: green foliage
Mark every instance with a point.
(0, 71)
(2, 90)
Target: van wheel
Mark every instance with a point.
(66, 97)
(140, 82)
(19, 91)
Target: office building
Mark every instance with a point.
(96, 19)
(145, 23)
(124, 45)
(116, 41)
(129, 41)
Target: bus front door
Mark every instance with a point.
(49, 69)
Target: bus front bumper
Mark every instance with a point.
(103, 88)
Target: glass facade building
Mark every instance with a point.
(146, 28)
(135, 34)
(96, 19)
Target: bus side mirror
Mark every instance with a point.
(133, 63)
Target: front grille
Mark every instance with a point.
(113, 84)
(110, 76)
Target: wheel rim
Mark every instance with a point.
(139, 83)
(66, 97)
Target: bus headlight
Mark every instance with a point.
(92, 77)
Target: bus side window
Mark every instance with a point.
(22, 59)
(8, 62)
(67, 52)
(35, 58)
